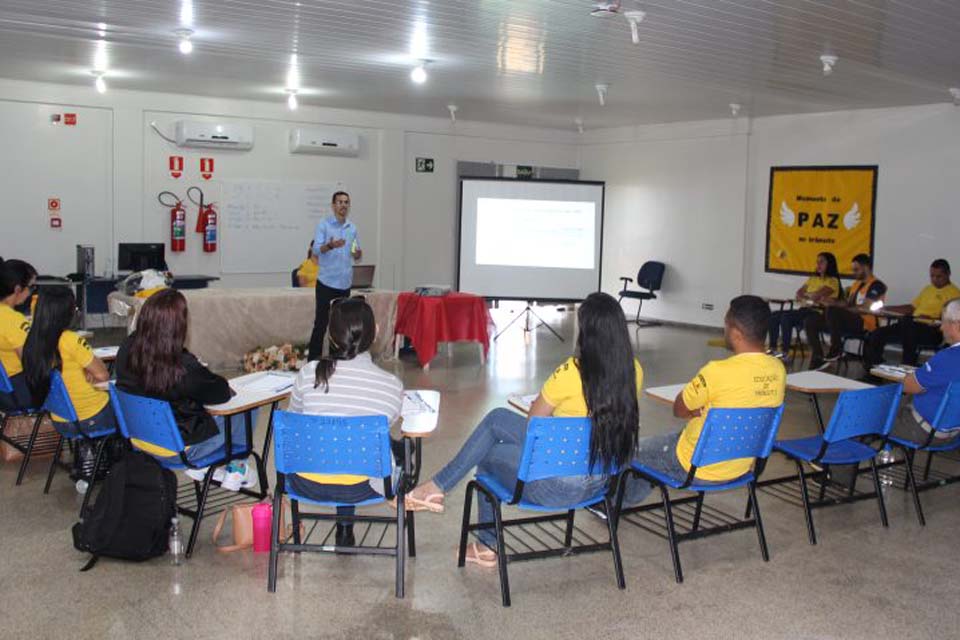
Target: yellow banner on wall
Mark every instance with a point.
(817, 209)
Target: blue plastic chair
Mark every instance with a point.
(554, 448)
(58, 403)
(727, 434)
(151, 421)
(6, 387)
(946, 419)
(858, 415)
(357, 445)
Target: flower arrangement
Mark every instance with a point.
(286, 357)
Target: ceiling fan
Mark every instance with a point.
(608, 9)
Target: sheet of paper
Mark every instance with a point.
(420, 411)
(106, 352)
(271, 381)
(522, 401)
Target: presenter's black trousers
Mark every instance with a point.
(324, 295)
(909, 333)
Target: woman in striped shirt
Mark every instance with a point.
(346, 382)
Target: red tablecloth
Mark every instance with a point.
(454, 317)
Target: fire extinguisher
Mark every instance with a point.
(178, 220)
(206, 219)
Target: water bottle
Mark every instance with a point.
(176, 542)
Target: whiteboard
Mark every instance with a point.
(266, 226)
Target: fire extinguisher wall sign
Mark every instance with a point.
(206, 168)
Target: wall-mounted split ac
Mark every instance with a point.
(324, 142)
(212, 135)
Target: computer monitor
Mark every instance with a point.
(363, 275)
(137, 256)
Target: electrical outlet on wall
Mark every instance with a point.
(706, 306)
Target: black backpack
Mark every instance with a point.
(131, 517)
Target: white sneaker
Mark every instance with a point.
(241, 476)
(200, 474)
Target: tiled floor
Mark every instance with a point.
(861, 581)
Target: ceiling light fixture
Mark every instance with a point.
(734, 109)
(602, 93)
(605, 9)
(186, 13)
(99, 83)
(293, 74)
(955, 94)
(829, 62)
(292, 103)
(579, 123)
(634, 17)
(185, 45)
(452, 108)
(419, 73)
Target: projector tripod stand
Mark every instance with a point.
(527, 328)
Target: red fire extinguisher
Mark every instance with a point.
(206, 219)
(178, 220)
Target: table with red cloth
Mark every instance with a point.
(455, 317)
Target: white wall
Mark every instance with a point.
(407, 220)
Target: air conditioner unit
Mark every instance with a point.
(212, 135)
(324, 142)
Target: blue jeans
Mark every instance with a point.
(784, 323)
(20, 397)
(495, 448)
(238, 431)
(660, 453)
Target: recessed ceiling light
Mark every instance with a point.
(634, 17)
(829, 62)
(99, 83)
(734, 109)
(185, 45)
(452, 108)
(579, 123)
(419, 73)
(602, 93)
(292, 103)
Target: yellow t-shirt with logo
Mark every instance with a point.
(308, 269)
(815, 283)
(76, 354)
(930, 301)
(743, 381)
(564, 390)
(13, 333)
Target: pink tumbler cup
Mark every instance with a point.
(262, 517)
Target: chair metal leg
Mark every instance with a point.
(201, 504)
(29, 452)
(295, 520)
(97, 461)
(614, 544)
(467, 504)
(411, 536)
(912, 483)
(696, 513)
(926, 468)
(824, 479)
(759, 522)
(275, 534)
(501, 554)
(568, 535)
(53, 465)
(876, 487)
(807, 511)
(261, 474)
(401, 544)
(671, 534)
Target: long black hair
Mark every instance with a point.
(56, 309)
(352, 330)
(13, 274)
(609, 378)
(833, 271)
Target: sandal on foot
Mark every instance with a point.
(427, 504)
(481, 557)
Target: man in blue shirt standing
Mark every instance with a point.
(337, 246)
(929, 383)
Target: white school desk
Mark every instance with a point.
(893, 373)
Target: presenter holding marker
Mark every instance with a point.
(337, 246)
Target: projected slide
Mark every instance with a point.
(535, 233)
(530, 239)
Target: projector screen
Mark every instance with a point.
(531, 240)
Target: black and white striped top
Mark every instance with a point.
(358, 387)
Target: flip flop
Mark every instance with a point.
(415, 504)
(488, 562)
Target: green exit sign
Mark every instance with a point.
(424, 165)
(524, 172)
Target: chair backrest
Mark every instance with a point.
(730, 434)
(948, 413)
(146, 419)
(864, 412)
(294, 280)
(5, 385)
(650, 275)
(556, 448)
(356, 445)
(58, 401)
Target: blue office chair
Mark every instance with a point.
(866, 413)
(554, 448)
(58, 403)
(946, 419)
(151, 421)
(335, 445)
(727, 434)
(649, 277)
(26, 448)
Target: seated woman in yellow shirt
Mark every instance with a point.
(822, 286)
(51, 345)
(748, 379)
(307, 273)
(17, 280)
(602, 381)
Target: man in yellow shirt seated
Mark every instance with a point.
(748, 379)
(919, 329)
(307, 271)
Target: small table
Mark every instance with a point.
(892, 373)
(428, 320)
(665, 394)
(813, 383)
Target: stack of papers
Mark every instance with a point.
(896, 370)
(421, 409)
(271, 382)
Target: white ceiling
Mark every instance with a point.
(512, 61)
